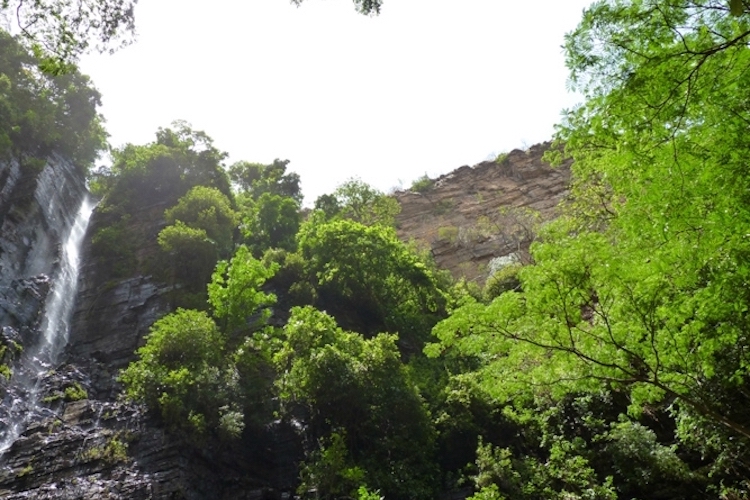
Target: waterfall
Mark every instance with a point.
(38, 359)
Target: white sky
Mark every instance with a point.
(426, 87)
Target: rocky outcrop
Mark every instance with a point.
(475, 214)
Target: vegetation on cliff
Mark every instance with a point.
(612, 363)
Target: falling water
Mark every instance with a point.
(40, 358)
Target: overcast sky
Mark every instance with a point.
(426, 87)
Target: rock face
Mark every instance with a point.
(112, 316)
(36, 212)
(475, 214)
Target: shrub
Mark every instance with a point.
(501, 281)
(422, 184)
(182, 372)
(448, 233)
(75, 392)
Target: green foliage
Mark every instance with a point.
(358, 201)
(270, 202)
(161, 171)
(422, 184)
(193, 254)
(114, 451)
(612, 364)
(359, 390)
(368, 270)
(183, 374)
(329, 470)
(75, 392)
(201, 231)
(271, 221)
(256, 179)
(640, 289)
(142, 182)
(42, 115)
(208, 210)
(501, 158)
(235, 292)
(565, 474)
(501, 281)
(448, 233)
(114, 249)
(60, 32)
(639, 460)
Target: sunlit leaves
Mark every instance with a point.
(235, 291)
(60, 31)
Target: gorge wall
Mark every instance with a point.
(475, 214)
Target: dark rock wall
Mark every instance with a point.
(36, 212)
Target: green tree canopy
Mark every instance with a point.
(368, 271)
(200, 232)
(358, 389)
(358, 201)
(641, 288)
(257, 179)
(42, 115)
(235, 292)
(182, 372)
(209, 210)
(271, 221)
(162, 171)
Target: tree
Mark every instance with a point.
(358, 201)
(42, 115)
(356, 398)
(271, 221)
(257, 179)
(641, 288)
(368, 270)
(200, 232)
(162, 171)
(182, 372)
(60, 31)
(207, 209)
(235, 292)
(192, 253)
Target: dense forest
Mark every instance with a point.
(609, 363)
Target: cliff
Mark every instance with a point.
(475, 214)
